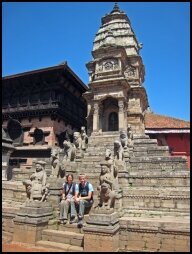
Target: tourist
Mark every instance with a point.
(67, 200)
(83, 197)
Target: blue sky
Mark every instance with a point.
(39, 35)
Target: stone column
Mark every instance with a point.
(121, 114)
(7, 149)
(96, 117)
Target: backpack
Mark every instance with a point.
(85, 190)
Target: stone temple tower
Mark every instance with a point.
(116, 96)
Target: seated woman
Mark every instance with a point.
(67, 200)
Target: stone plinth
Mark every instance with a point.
(31, 220)
(101, 233)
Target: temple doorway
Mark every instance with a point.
(109, 115)
(113, 122)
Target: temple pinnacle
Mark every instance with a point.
(115, 8)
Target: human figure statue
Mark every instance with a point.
(69, 151)
(77, 141)
(106, 188)
(84, 139)
(124, 139)
(130, 135)
(118, 151)
(57, 170)
(36, 187)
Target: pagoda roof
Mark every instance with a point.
(63, 66)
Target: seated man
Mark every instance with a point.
(83, 197)
(67, 201)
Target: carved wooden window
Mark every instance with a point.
(38, 138)
(15, 131)
(113, 122)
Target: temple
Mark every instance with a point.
(53, 125)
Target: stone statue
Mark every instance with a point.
(123, 138)
(130, 135)
(84, 139)
(118, 151)
(57, 170)
(108, 156)
(77, 141)
(37, 189)
(69, 151)
(106, 188)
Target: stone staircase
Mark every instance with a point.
(67, 238)
(155, 200)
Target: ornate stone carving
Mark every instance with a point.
(57, 169)
(96, 108)
(121, 105)
(108, 65)
(84, 138)
(37, 188)
(130, 71)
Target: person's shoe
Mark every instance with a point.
(80, 223)
(63, 221)
(73, 220)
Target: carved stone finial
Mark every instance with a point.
(115, 8)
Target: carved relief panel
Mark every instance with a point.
(109, 64)
(130, 72)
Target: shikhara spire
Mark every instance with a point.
(115, 8)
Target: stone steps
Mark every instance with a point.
(167, 233)
(66, 237)
(155, 213)
(165, 223)
(59, 247)
(170, 181)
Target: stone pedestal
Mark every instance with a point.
(101, 233)
(31, 220)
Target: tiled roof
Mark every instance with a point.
(155, 121)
